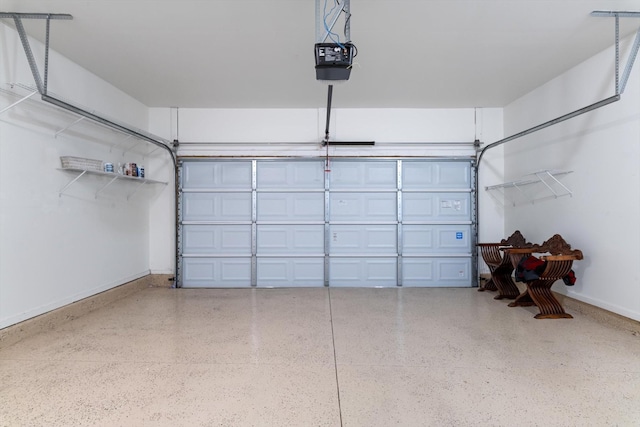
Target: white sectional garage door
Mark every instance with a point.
(364, 223)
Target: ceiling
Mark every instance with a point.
(259, 53)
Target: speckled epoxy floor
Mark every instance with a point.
(320, 357)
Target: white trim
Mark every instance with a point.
(37, 311)
(605, 305)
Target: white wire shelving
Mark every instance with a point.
(533, 187)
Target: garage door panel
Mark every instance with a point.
(293, 239)
(216, 206)
(363, 206)
(436, 272)
(417, 239)
(363, 272)
(290, 175)
(220, 175)
(290, 206)
(455, 272)
(436, 206)
(419, 175)
(417, 271)
(216, 272)
(358, 239)
(363, 174)
(216, 239)
(432, 239)
(454, 238)
(293, 272)
(454, 174)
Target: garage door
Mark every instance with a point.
(362, 223)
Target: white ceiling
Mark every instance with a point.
(259, 53)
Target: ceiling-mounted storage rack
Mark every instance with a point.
(72, 121)
(533, 187)
(41, 86)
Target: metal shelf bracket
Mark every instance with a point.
(621, 82)
(139, 186)
(547, 178)
(120, 143)
(8, 107)
(111, 181)
(131, 148)
(70, 183)
(69, 126)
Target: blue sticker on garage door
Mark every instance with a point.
(459, 235)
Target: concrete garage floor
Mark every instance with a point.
(321, 357)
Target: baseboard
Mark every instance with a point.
(599, 314)
(162, 280)
(484, 277)
(48, 321)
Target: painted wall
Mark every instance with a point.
(602, 148)
(58, 249)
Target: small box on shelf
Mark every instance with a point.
(71, 162)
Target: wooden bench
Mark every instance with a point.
(559, 258)
(500, 265)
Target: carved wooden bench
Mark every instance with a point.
(500, 265)
(558, 257)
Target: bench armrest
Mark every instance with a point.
(560, 258)
(517, 250)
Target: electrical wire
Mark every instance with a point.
(355, 49)
(326, 26)
(347, 18)
(333, 36)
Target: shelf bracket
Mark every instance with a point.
(119, 143)
(524, 193)
(632, 57)
(17, 19)
(111, 181)
(621, 83)
(63, 189)
(7, 108)
(151, 152)
(130, 148)
(136, 189)
(69, 126)
(555, 193)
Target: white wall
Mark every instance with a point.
(299, 132)
(491, 227)
(57, 249)
(603, 151)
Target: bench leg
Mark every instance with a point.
(506, 288)
(489, 286)
(549, 306)
(523, 300)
